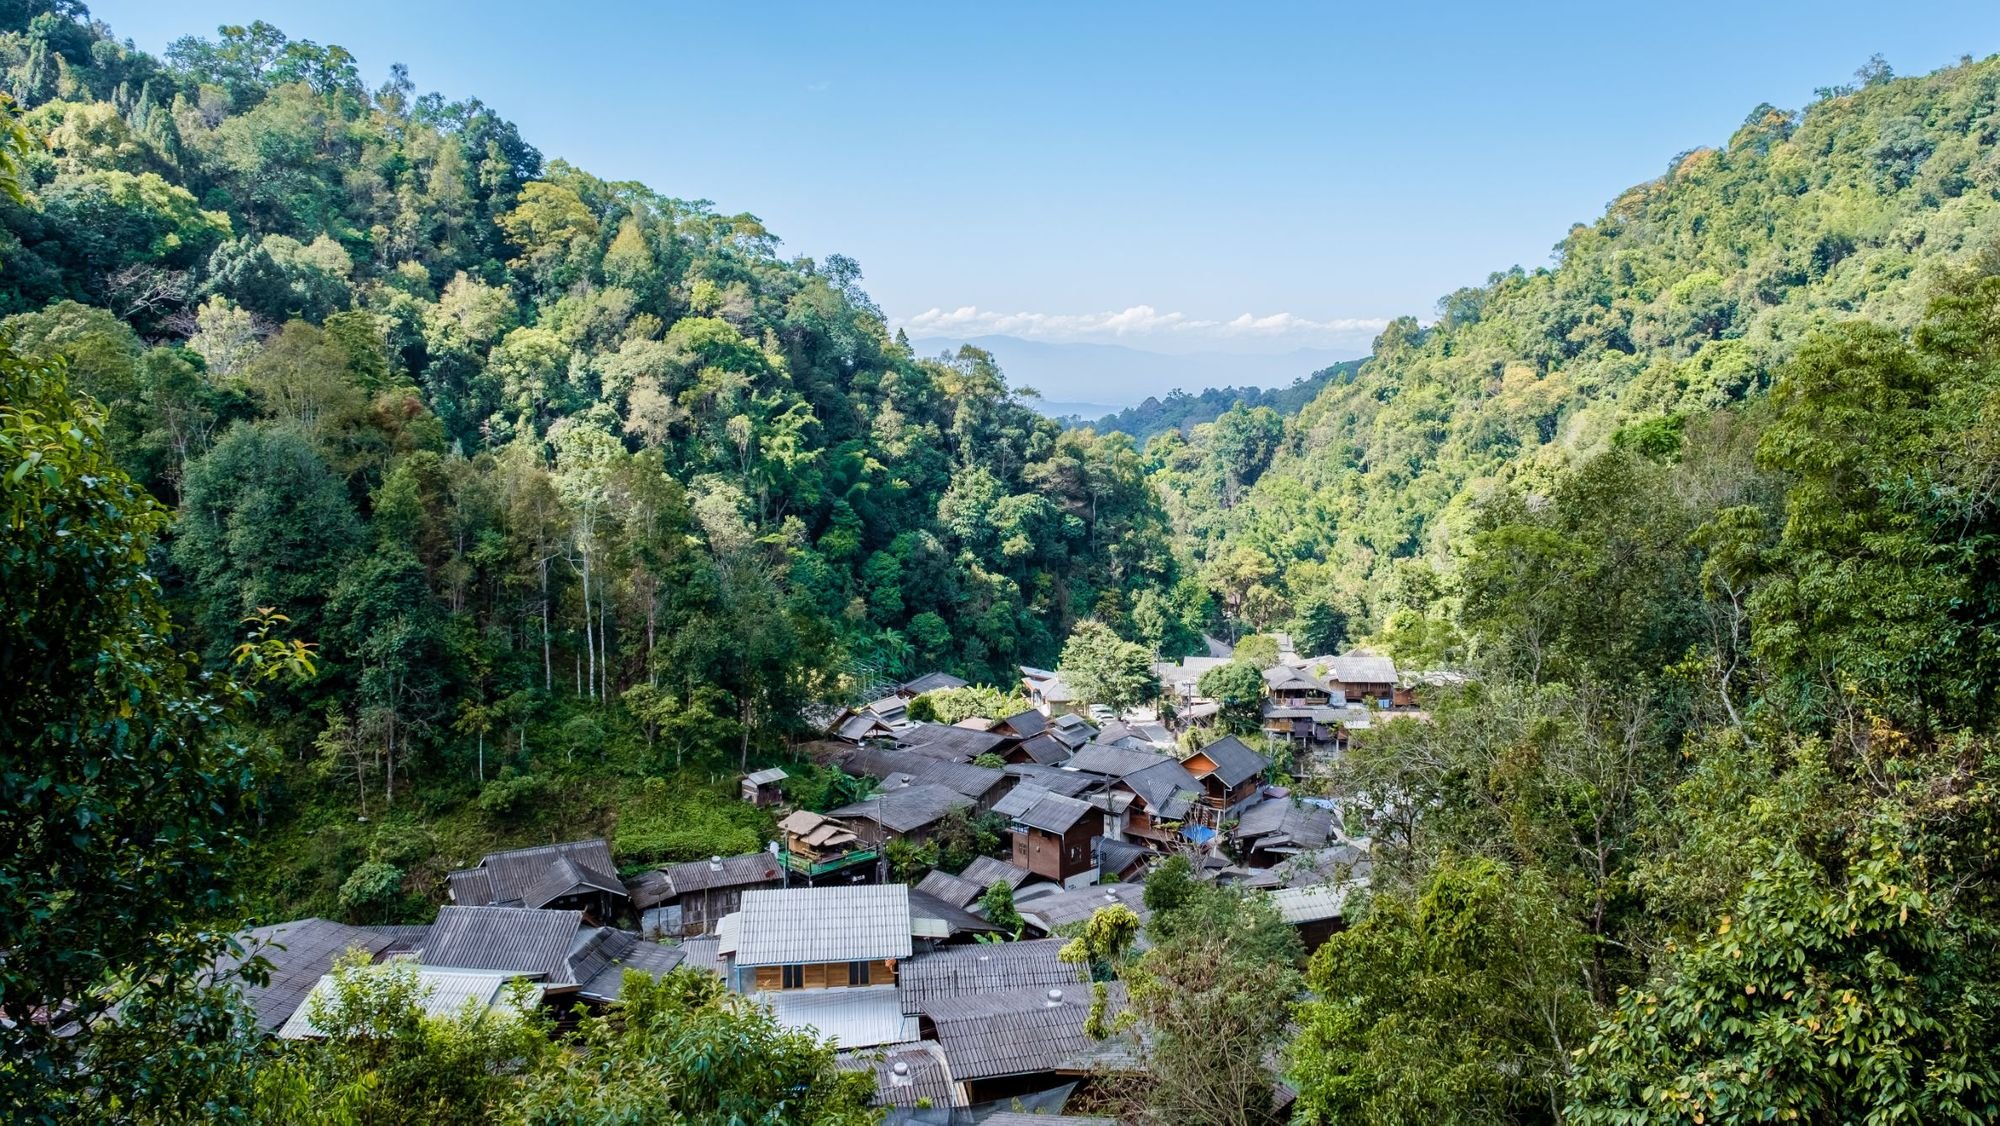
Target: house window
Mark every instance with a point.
(795, 977)
(857, 973)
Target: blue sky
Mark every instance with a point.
(1162, 176)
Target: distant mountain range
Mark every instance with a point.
(1089, 380)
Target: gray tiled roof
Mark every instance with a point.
(1020, 1032)
(1114, 857)
(508, 877)
(1112, 762)
(702, 953)
(907, 1075)
(1046, 749)
(1026, 723)
(732, 871)
(1283, 823)
(958, 971)
(1158, 784)
(567, 877)
(600, 957)
(986, 871)
(1361, 668)
(1056, 814)
(1020, 799)
(522, 940)
(906, 808)
(878, 763)
(944, 886)
(929, 682)
(1069, 783)
(300, 953)
(952, 921)
(1011, 1118)
(1076, 906)
(829, 924)
(942, 740)
(1235, 762)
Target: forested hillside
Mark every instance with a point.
(499, 437)
(1183, 411)
(376, 492)
(1687, 295)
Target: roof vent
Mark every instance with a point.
(1055, 998)
(1112, 896)
(901, 1069)
(715, 864)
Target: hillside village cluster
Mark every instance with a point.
(959, 1019)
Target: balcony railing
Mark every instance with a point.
(807, 866)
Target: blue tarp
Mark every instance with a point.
(1199, 834)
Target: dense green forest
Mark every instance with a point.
(376, 491)
(1687, 296)
(1183, 411)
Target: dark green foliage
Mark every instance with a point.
(1182, 411)
(122, 799)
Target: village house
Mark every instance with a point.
(1043, 748)
(912, 1080)
(1272, 832)
(556, 950)
(578, 875)
(983, 784)
(440, 993)
(1231, 777)
(1019, 1041)
(764, 787)
(952, 743)
(817, 849)
(929, 682)
(1362, 677)
(909, 812)
(691, 898)
(1046, 691)
(298, 954)
(1316, 912)
(824, 958)
(1022, 724)
(1045, 913)
(1180, 680)
(1052, 839)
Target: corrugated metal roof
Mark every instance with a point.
(1010, 1118)
(299, 953)
(930, 682)
(906, 809)
(765, 777)
(1157, 784)
(964, 777)
(1022, 1032)
(702, 953)
(730, 871)
(907, 1075)
(601, 963)
(1112, 762)
(1361, 668)
(519, 940)
(986, 871)
(1235, 763)
(851, 1016)
(1020, 799)
(1052, 911)
(941, 740)
(926, 910)
(1069, 783)
(958, 971)
(1313, 904)
(1056, 814)
(1026, 723)
(796, 926)
(446, 993)
(944, 886)
(510, 875)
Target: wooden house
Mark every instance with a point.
(1362, 676)
(691, 898)
(1231, 776)
(817, 938)
(815, 848)
(909, 812)
(577, 875)
(764, 787)
(1052, 839)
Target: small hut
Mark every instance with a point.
(765, 787)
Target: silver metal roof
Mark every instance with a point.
(851, 1016)
(798, 926)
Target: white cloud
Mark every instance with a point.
(1136, 322)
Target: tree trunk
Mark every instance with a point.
(548, 661)
(589, 637)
